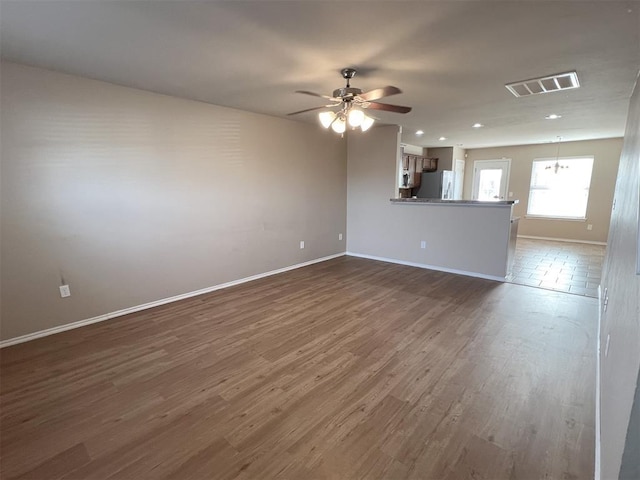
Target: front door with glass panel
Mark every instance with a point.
(491, 180)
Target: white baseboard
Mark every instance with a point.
(596, 470)
(428, 267)
(569, 240)
(145, 306)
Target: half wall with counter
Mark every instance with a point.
(466, 237)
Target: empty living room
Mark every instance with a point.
(319, 240)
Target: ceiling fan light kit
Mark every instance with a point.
(355, 117)
(339, 125)
(366, 123)
(326, 118)
(352, 102)
(349, 116)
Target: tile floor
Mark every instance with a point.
(561, 266)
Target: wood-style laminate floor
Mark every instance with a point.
(347, 369)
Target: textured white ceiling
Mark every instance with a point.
(450, 58)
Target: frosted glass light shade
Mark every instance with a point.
(326, 118)
(355, 117)
(366, 123)
(339, 126)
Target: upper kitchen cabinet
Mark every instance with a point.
(412, 167)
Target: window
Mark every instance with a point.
(560, 187)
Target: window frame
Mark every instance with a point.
(537, 216)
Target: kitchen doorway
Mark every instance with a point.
(491, 179)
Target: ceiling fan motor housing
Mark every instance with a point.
(346, 93)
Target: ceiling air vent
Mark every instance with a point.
(552, 83)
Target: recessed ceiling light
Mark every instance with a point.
(442, 138)
(477, 125)
(419, 132)
(553, 116)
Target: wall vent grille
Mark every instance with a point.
(552, 83)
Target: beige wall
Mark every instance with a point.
(444, 156)
(377, 228)
(620, 321)
(133, 197)
(605, 166)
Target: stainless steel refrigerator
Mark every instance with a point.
(436, 185)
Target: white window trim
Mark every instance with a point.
(544, 217)
(533, 216)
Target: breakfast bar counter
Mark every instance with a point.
(468, 237)
(438, 201)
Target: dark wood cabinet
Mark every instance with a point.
(429, 164)
(412, 167)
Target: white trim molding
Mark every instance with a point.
(428, 267)
(156, 303)
(569, 240)
(549, 217)
(598, 447)
(478, 164)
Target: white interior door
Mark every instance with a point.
(458, 180)
(491, 179)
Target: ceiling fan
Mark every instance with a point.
(351, 102)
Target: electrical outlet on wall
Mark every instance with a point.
(589, 226)
(423, 244)
(301, 244)
(65, 291)
(339, 236)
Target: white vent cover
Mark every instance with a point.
(552, 83)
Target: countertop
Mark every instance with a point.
(438, 201)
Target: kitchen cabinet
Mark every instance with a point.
(412, 168)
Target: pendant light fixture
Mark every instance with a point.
(557, 165)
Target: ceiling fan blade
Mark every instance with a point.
(389, 108)
(313, 94)
(379, 93)
(310, 109)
